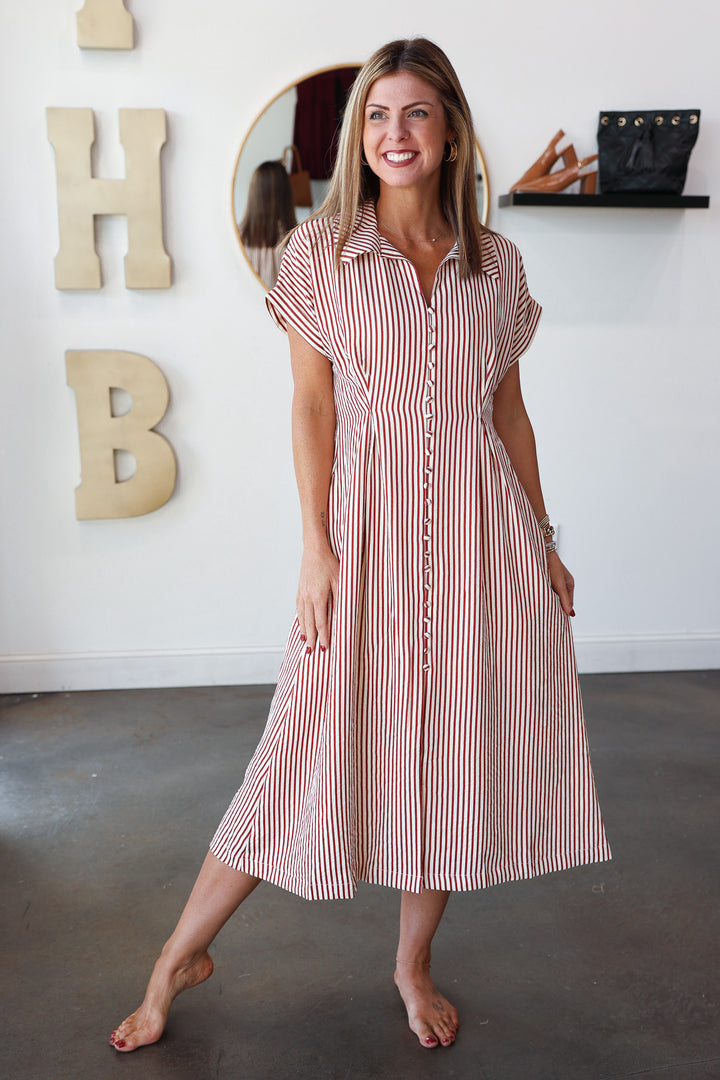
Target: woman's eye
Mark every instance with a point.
(376, 115)
(418, 112)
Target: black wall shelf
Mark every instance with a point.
(638, 202)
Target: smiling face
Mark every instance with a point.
(405, 130)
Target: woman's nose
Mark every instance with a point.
(398, 130)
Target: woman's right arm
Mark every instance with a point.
(313, 437)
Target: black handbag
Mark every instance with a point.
(646, 151)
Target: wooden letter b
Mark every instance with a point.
(92, 375)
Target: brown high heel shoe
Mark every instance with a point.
(547, 159)
(558, 181)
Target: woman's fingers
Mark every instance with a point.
(310, 626)
(563, 583)
(300, 612)
(320, 618)
(323, 625)
(571, 592)
(314, 622)
(325, 619)
(323, 616)
(318, 585)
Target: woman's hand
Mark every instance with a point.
(316, 591)
(562, 582)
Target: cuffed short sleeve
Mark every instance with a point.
(527, 317)
(292, 301)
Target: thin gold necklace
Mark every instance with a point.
(410, 239)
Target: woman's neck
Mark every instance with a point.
(411, 214)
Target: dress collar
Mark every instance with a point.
(366, 238)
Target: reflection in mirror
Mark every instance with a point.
(269, 217)
(296, 135)
(297, 131)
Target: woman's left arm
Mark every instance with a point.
(512, 424)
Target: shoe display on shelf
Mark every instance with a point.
(554, 182)
(547, 159)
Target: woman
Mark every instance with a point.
(269, 217)
(426, 732)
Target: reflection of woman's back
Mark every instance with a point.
(269, 217)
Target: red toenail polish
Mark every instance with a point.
(120, 1042)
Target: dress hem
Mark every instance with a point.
(346, 890)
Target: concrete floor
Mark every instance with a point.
(602, 973)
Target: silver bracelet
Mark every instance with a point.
(550, 547)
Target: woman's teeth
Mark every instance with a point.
(405, 156)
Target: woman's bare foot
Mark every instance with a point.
(433, 1019)
(166, 982)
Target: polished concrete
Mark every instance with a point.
(607, 972)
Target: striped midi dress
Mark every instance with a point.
(439, 743)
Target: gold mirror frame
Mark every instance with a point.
(482, 172)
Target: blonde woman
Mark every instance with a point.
(427, 732)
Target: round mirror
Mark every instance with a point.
(285, 162)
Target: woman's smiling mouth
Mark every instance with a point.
(399, 157)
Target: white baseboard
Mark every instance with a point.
(45, 673)
(648, 652)
(24, 673)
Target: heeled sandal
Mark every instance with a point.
(563, 178)
(547, 159)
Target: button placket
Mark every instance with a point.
(429, 452)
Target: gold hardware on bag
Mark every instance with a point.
(675, 121)
(694, 118)
(659, 120)
(639, 121)
(621, 121)
(605, 120)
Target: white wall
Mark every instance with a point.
(621, 382)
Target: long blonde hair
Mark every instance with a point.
(353, 182)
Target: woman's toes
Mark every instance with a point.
(425, 1034)
(120, 1036)
(445, 1032)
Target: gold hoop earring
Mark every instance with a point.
(453, 153)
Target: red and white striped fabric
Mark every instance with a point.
(439, 743)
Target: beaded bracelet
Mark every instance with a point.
(548, 532)
(547, 529)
